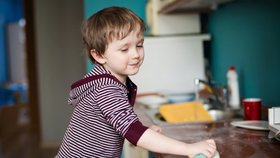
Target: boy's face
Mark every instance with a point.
(124, 57)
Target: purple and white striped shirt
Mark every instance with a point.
(103, 116)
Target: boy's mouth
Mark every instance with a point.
(134, 64)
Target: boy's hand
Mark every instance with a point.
(206, 147)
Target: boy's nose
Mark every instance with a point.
(135, 53)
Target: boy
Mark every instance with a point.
(103, 100)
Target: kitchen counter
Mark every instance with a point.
(232, 142)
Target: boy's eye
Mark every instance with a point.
(140, 45)
(124, 50)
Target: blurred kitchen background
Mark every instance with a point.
(41, 55)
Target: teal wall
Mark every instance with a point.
(246, 34)
(92, 6)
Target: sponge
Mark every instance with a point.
(216, 155)
(184, 112)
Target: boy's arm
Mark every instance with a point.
(159, 143)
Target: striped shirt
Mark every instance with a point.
(103, 116)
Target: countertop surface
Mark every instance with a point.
(232, 142)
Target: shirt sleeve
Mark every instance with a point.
(115, 106)
(135, 132)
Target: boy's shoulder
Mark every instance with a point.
(100, 77)
(96, 80)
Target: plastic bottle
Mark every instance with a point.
(233, 88)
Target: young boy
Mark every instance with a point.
(103, 100)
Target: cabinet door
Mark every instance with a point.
(131, 151)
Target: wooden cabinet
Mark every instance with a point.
(167, 24)
(131, 151)
(171, 17)
(189, 6)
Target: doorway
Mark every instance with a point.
(19, 123)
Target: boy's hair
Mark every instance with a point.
(113, 23)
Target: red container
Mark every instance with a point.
(252, 108)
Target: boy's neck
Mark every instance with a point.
(122, 79)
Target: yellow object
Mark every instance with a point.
(184, 112)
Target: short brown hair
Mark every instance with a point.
(107, 25)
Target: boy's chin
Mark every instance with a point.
(133, 73)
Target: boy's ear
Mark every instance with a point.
(97, 57)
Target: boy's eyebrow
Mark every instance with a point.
(141, 40)
(138, 41)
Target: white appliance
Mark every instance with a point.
(274, 121)
(171, 64)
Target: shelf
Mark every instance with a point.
(202, 37)
(189, 6)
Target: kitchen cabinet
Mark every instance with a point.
(189, 6)
(134, 151)
(169, 17)
(174, 53)
(175, 24)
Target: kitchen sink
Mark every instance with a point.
(217, 115)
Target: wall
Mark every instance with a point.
(92, 6)
(245, 34)
(171, 64)
(60, 62)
